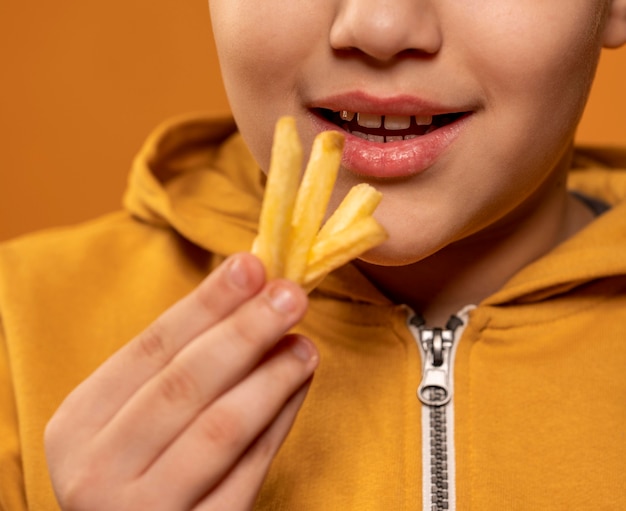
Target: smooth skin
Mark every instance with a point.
(189, 415)
(194, 408)
(496, 199)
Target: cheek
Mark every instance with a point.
(542, 51)
(262, 44)
(533, 62)
(245, 44)
(263, 48)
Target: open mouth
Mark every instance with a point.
(388, 128)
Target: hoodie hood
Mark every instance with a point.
(195, 175)
(596, 252)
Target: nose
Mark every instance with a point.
(385, 29)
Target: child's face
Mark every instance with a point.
(518, 70)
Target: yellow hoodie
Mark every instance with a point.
(537, 415)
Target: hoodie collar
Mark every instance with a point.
(598, 251)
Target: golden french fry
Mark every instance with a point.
(312, 200)
(360, 202)
(342, 247)
(290, 242)
(271, 244)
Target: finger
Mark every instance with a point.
(200, 457)
(239, 278)
(202, 371)
(239, 489)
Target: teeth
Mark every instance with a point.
(369, 120)
(393, 122)
(359, 134)
(347, 116)
(390, 122)
(380, 138)
(376, 138)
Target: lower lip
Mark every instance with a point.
(403, 158)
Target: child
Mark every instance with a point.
(500, 295)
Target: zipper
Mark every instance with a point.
(436, 393)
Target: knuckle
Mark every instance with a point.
(260, 325)
(288, 373)
(178, 385)
(79, 490)
(152, 344)
(222, 427)
(266, 447)
(246, 334)
(72, 496)
(210, 296)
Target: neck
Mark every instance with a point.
(469, 270)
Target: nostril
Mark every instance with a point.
(384, 31)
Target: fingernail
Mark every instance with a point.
(238, 273)
(303, 349)
(282, 299)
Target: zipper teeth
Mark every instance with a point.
(439, 473)
(439, 464)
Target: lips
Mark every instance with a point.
(390, 137)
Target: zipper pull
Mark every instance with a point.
(436, 345)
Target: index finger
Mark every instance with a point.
(236, 280)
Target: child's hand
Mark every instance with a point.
(189, 414)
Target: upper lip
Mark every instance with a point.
(399, 105)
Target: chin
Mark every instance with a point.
(392, 253)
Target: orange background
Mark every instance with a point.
(84, 82)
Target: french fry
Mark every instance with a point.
(290, 242)
(360, 202)
(340, 248)
(312, 200)
(283, 177)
